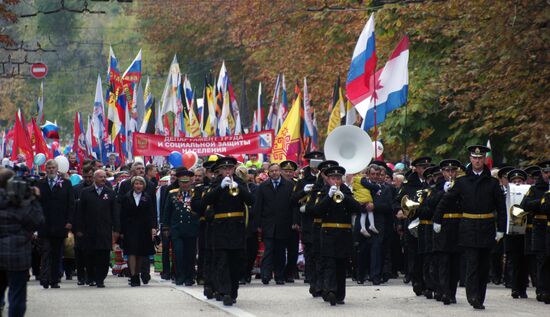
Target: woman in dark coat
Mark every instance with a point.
(138, 225)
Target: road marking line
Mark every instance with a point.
(197, 294)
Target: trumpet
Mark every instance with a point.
(233, 190)
(338, 196)
(518, 215)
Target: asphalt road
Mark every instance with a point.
(164, 299)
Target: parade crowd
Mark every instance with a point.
(223, 223)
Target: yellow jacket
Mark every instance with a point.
(360, 193)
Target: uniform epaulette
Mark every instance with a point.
(175, 190)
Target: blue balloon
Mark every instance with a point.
(75, 179)
(175, 159)
(399, 166)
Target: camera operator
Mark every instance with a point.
(20, 216)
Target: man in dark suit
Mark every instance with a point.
(57, 200)
(273, 209)
(80, 258)
(97, 223)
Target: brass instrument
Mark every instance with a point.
(409, 206)
(518, 215)
(233, 190)
(338, 196)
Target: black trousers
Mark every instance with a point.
(334, 274)
(273, 260)
(519, 271)
(97, 265)
(496, 262)
(448, 265)
(429, 276)
(229, 264)
(477, 273)
(80, 258)
(209, 269)
(52, 250)
(165, 241)
(308, 266)
(145, 268)
(201, 242)
(251, 254)
(543, 274)
(185, 249)
(292, 250)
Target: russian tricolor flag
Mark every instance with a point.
(50, 130)
(363, 65)
(392, 87)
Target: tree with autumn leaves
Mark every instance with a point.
(478, 69)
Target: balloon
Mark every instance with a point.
(55, 145)
(139, 159)
(190, 159)
(391, 166)
(212, 158)
(175, 159)
(399, 166)
(379, 148)
(67, 149)
(62, 163)
(75, 179)
(39, 159)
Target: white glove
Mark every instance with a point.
(308, 188)
(303, 209)
(365, 233)
(234, 184)
(447, 186)
(499, 236)
(226, 181)
(437, 227)
(332, 190)
(373, 229)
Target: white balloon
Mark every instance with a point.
(62, 164)
(139, 159)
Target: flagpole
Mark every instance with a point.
(375, 125)
(405, 136)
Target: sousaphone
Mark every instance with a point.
(350, 146)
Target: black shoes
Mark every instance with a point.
(519, 294)
(289, 280)
(55, 285)
(134, 281)
(80, 283)
(189, 283)
(406, 279)
(91, 284)
(208, 292)
(265, 281)
(227, 300)
(446, 300)
(331, 298)
(145, 278)
(280, 282)
(428, 294)
(101, 285)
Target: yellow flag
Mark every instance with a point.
(287, 142)
(333, 120)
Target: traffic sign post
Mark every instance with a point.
(39, 70)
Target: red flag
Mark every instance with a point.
(21, 142)
(79, 142)
(38, 142)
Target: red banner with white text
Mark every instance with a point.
(145, 144)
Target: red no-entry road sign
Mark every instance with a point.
(39, 70)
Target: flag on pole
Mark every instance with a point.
(79, 140)
(50, 130)
(131, 77)
(40, 104)
(363, 65)
(287, 143)
(258, 112)
(489, 156)
(391, 89)
(38, 142)
(271, 118)
(21, 141)
(338, 108)
(351, 114)
(308, 113)
(169, 99)
(282, 110)
(91, 146)
(209, 109)
(245, 118)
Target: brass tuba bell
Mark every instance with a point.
(338, 196)
(409, 206)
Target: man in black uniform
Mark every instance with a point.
(335, 207)
(228, 198)
(497, 271)
(181, 224)
(80, 256)
(301, 195)
(535, 236)
(445, 244)
(481, 202)
(200, 187)
(430, 200)
(413, 186)
(544, 260)
(516, 260)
